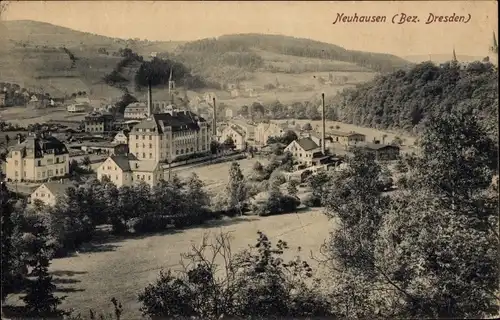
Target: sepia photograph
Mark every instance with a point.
(249, 160)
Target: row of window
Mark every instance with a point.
(39, 162)
(41, 174)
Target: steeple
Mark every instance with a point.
(454, 55)
(171, 86)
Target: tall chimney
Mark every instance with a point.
(150, 99)
(214, 129)
(323, 120)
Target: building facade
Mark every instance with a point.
(236, 134)
(347, 138)
(48, 193)
(167, 136)
(136, 110)
(37, 159)
(121, 138)
(2, 99)
(303, 150)
(265, 130)
(76, 107)
(127, 170)
(382, 151)
(98, 122)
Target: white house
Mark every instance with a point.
(77, 107)
(236, 134)
(49, 192)
(121, 138)
(303, 150)
(126, 170)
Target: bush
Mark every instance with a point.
(312, 201)
(277, 204)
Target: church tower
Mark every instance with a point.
(493, 54)
(171, 86)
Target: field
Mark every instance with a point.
(26, 115)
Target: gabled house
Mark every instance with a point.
(381, 151)
(48, 193)
(265, 130)
(127, 170)
(347, 138)
(236, 134)
(303, 150)
(121, 138)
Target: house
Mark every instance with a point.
(98, 122)
(304, 150)
(49, 192)
(136, 110)
(2, 99)
(347, 138)
(229, 113)
(127, 170)
(77, 107)
(236, 134)
(166, 136)
(317, 138)
(121, 137)
(38, 158)
(248, 129)
(381, 151)
(265, 130)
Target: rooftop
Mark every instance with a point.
(130, 163)
(344, 134)
(58, 188)
(377, 146)
(307, 144)
(180, 120)
(36, 147)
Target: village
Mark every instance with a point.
(155, 136)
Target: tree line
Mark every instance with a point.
(427, 250)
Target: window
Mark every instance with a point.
(39, 162)
(176, 151)
(144, 155)
(49, 173)
(150, 137)
(42, 195)
(24, 162)
(150, 156)
(143, 137)
(138, 177)
(161, 137)
(150, 146)
(43, 174)
(36, 194)
(137, 145)
(149, 177)
(116, 177)
(24, 174)
(16, 163)
(142, 177)
(57, 171)
(137, 137)
(38, 175)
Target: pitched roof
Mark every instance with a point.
(57, 188)
(180, 120)
(344, 134)
(377, 146)
(130, 164)
(38, 146)
(307, 144)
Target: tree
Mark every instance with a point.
(252, 284)
(236, 188)
(40, 299)
(214, 147)
(229, 144)
(257, 167)
(7, 232)
(244, 111)
(292, 187)
(199, 199)
(86, 162)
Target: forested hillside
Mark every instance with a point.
(405, 99)
(298, 47)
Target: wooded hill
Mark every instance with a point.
(405, 99)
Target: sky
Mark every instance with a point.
(184, 21)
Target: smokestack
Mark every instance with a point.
(214, 129)
(323, 120)
(150, 100)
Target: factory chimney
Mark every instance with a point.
(150, 99)
(214, 129)
(323, 120)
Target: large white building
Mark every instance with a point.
(236, 134)
(158, 139)
(303, 150)
(37, 158)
